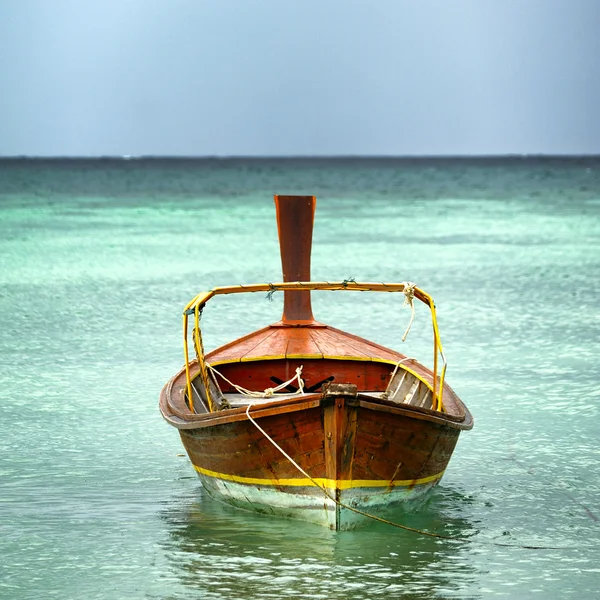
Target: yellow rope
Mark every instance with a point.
(188, 378)
(200, 356)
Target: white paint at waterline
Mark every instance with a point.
(310, 503)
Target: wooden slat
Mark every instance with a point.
(367, 347)
(300, 343)
(234, 351)
(319, 341)
(425, 397)
(410, 394)
(397, 380)
(243, 400)
(405, 386)
(274, 344)
(331, 343)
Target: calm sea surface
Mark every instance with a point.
(97, 260)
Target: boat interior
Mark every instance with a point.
(379, 380)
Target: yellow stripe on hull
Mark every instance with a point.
(326, 483)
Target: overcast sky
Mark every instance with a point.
(299, 77)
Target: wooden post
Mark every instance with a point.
(340, 406)
(295, 218)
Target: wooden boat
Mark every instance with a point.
(302, 420)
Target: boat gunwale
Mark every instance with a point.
(454, 407)
(177, 414)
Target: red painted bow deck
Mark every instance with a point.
(302, 420)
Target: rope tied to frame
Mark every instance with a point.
(199, 349)
(409, 297)
(272, 290)
(269, 392)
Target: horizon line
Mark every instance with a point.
(217, 157)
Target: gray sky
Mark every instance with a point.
(299, 77)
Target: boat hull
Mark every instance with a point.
(349, 455)
(308, 504)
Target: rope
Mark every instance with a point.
(380, 519)
(409, 296)
(326, 492)
(272, 290)
(269, 392)
(199, 349)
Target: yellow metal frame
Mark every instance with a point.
(195, 306)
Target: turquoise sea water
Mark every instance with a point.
(97, 260)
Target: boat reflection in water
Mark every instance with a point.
(302, 420)
(236, 554)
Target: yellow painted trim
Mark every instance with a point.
(327, 483)
(255, 358)
(231, 361)
(387, 361)
(319, 357)
(354, 358)
(298, 357)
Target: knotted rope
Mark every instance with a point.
(269, 392)
(409, 296)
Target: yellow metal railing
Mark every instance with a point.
(196, 305)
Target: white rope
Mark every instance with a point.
(374, 517)
(269, 391)
(283, 451)
(331, 497)
(409, 296)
